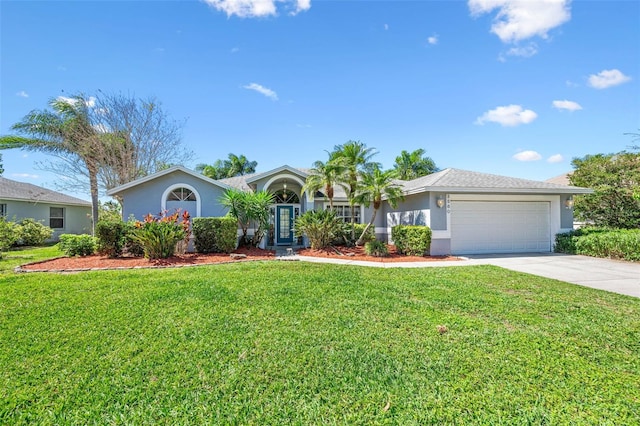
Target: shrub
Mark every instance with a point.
(376, 248)
(160, 235)
(344, 236)
(566, 242)
(215, 234)
(600, 242)
(32, 233)
(412, 240)
(321, 227)
(8, 235)
(77, 245)
(111, 237)
(131, 246)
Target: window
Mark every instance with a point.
(3, 210)
(344, 212)
(56, 217)
(181, 194)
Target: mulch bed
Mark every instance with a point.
(97, 262)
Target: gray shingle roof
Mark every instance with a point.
(468, 181)
(22, 191)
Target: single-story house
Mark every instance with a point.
(63, 213)
(468, 212)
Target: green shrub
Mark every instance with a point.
(412, 240)
(8, 235)
(344, 236)
(376, 248)
(600, 242)
(77, 245)
(160, 235)
(215, 234)
(111, 237)
(321, 227)
(131, 246)
(32, 233)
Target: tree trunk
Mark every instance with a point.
(93, 186)
(366, 228)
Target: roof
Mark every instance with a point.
(140, 181)
(560, 180)
(456, 180)
(242, 182)
(22, 191)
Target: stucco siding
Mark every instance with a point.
(77, 219)
(147, 197)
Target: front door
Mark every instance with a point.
(284, 215)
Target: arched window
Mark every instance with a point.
(282, 196)
(181, 194)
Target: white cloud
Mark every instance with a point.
(527, 156)
(22, 94)
(519, 20)
(511, 115)
(263, 90)
(386, 27)
(607, 78)
(433, 39)
(557, 158)
(570, 83)
(91, 102)
(523, 51)
(568, 105)
(257, 8)
(25, 175)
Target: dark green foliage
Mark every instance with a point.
(376, 248)
(412, 240)
(8, 235)
(345, 234)
(601, 242)
(615, 179)
(32, 233)
(321, 227)
(215, 234)
(131, 246)
(77, 245)
(111, 237)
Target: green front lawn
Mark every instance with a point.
(21, 255)
(296, 343)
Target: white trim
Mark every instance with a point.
(285, 176)
(346, 204)
(165, 194)
(277, 170)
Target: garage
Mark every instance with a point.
(479, 227)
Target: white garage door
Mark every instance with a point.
(500, 227)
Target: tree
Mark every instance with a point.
(64, 130)
(353, 156)
(373, 187)
(324, 176)
(234, 166)
(247, 207)
(412, 165)
(615, 179)
(1, 168)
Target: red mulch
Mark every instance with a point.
(102, 262)
(357, 253)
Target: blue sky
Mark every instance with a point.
(497, 86)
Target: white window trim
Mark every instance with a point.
(64, 218)
(326, 206)
(165, 194)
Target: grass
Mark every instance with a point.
(297, 343)
(21, 255)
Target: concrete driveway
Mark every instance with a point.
(604, 274)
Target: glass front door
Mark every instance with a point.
(284, 231)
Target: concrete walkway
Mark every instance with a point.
(604, 274)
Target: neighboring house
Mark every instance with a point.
(468, 212)
(63, 213)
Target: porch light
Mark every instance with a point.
(440, 202)
(568, 204)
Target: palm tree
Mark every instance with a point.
(412, 165)
(65, 130)
(323, 176)
(374, 186)
(240, 165)
(354, 156)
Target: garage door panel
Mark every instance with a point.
(500, 227)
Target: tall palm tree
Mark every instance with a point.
(412, 165)
(323, 176)
(65, 129)
(240, 165)
(355, 157)
(374, 186)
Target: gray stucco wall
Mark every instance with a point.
(147, 197)
(566, 214)
(77, 219)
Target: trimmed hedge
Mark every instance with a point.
(412, 240)
(215, 234)
(77, 245)
(111, 237)
(601, 242)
